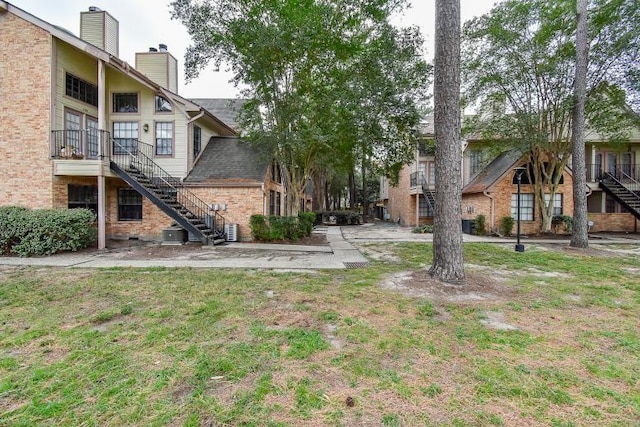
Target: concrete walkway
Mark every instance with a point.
(340, 252)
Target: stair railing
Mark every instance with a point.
(428, 194)
(134, 155)
(614, 178)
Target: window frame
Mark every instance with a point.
(158, 97)
(424, 209)
(131, 143)
(125, 210)
(558, 203)
(197, 142)
(527, 209)
(156, 138)
(114, 103)
(90, 95)
(85, 196)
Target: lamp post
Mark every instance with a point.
(519, 171)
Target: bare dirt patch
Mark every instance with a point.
(478, 287)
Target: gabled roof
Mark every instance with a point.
(225, 109)
(493, 172)
(115, 62)
(229, 160)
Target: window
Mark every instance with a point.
(129, 205)
(274, 202)
(125, 137)
(125, 102)
(557, 203)
(164, 138)
(276, 176)
(83, 196)
(162, 104)
(197, 141)
(475, 162)
(424, 210)
(526, 206)
(72, 133)
(81, 90)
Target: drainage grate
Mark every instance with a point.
(353, 265)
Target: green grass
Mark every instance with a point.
(227, 347)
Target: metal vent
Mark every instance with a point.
(354, 265)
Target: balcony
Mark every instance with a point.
(81, 152)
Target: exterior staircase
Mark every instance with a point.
(132, 161)
(623, 189)
(429, 195)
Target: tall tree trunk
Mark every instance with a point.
(579, 235)
(365, 191)
(448, 261)
(352, 189)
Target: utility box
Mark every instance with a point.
(173, 236)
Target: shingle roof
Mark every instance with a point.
(225, 109)
(229, 159)
(490, 174)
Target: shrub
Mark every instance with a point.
(479, 224)
(563, 219)
(259, 227)
(307, 219)
(506, 225)
(426, 228)
(342, 217)
(281, 227)
(28, 232)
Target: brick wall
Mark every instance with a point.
(502, 192)
(401, 203)
(242, 202)
(25, 93)
(613, 222)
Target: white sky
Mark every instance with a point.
(146, 23)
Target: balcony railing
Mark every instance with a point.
(621, 172)
(80, 144)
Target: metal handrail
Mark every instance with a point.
(137, 154)
(617, 181)
(80, 144)
(426, 191)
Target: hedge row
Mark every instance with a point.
(272, 228)
(28, 232)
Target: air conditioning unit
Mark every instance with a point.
(231, 230)
(173, 236)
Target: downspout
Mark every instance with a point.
(493, 209)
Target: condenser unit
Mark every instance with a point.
(231, 230)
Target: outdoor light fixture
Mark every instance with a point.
(519, 171)
(145, 127)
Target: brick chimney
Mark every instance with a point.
(100, 29)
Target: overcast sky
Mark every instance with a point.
(146, 23)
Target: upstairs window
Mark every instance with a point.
(164, 138)
(475, 162)
(125, 102)
(163, 105)
(81, 90)
(197, 141)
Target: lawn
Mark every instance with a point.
(545, 337)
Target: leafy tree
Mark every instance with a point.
(519, 65)
(327, 80)
(448, 262)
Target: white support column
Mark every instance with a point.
(102, 124)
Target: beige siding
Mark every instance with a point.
(112, 35)
(161, 67)
(25, 91)
(74, 61)
(101, 30)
